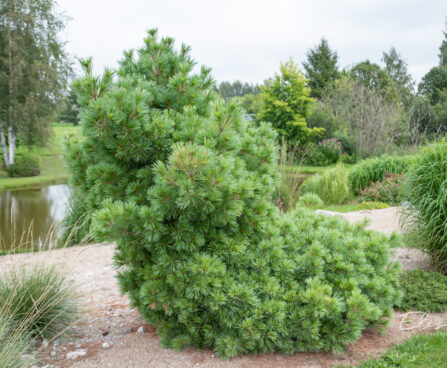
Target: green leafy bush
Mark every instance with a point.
(424, 291)
(374, 170)
(185, 187)
(389, 190)
(332, 186)
(324, 153)
(310, 200)
(348, 159)
(26, 164)
(425, 191)
(372, 206)
(39, 298)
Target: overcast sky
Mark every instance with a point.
(247, 39)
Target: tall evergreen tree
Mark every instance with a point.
(443, 48)
(321, 68)
(184, 185)
(434, 87)
(396, 67)
(33, 72)
(286, 104)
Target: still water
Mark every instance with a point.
(32, 217)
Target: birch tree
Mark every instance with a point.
(374, 123)
(33, 72)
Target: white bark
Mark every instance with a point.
(11, 130)
(12, 144)
(4, 148)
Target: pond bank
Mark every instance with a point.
(31, 218)
(52, 165)
(31, 182)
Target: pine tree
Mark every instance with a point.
(184, 186)
(396, 67)
(286, 104)
(321, 68)
(443, 48)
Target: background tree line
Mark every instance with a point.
(369, 108)
(34, 70)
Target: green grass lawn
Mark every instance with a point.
(307, 169)
(349, 207)
(51, 162)
(423, 351)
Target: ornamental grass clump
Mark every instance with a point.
(185, 186)
(332, 186)
(39, 300)
(16, 344)
(425, 191)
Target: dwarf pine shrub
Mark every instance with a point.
(185, 187)
(310, 200)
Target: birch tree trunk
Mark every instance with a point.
(11, 130)
(12, 144)
(4, 149)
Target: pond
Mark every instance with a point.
(31, 218)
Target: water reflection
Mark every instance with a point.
(32, 216)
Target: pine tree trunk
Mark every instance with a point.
(4, 149)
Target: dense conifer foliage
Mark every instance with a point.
(184, 185)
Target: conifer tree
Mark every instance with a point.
(184, 186)
(286, 104)
(321, 68)
(396, 67)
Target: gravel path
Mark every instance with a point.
(111, 333)
(385, 220)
